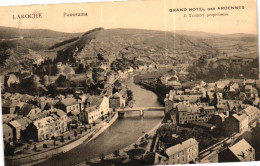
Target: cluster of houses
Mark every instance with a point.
(39, 118)
(217, 103)
(223, 104)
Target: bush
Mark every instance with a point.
(35, 148)
(116, 153)
(62, 139)
(102, 157)
(44, 146)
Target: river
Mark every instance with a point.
(121, 134)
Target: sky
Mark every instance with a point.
(140, 14)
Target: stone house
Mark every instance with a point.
(183, 153)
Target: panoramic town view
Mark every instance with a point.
(129, 97)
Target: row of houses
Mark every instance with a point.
(43, 118)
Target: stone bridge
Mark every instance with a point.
(121, 111)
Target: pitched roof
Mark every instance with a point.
(116, 95)
(9, 103)
(15, 124)
(251, 110)
(208, 107)
(193, 109)
(241, 149)
(182, 107)
(25, 110)
(91, 109)
(94, 100)
(239, 117)
(179, 147)
(68, 101)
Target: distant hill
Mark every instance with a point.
(195, 33)
(20, 47)
(145, 45)
(11, 33)
(159, 46)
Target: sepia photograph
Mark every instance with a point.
(147, 82)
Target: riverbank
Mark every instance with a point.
(121, 134)
(44, 155)
(122, 156)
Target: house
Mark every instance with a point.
(235, 86)
(221, 108)
(252, 113)
(16, 127)
(183, 153)
(251, 82)
(190, 113)
(242, 151)
(6, 118)
(209, 111)
(220, 85)
(234, 105)
(102, 103)
(7, 133)
(28, 110)
(90, 114)
(236, 124)
(116, 101)
(9, 106)
(68, 105)
(39, 129)
(218, 119)
(48, 127)
(11, 79)
(24, 122)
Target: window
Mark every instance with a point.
(9, 134)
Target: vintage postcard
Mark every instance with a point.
(146, 82)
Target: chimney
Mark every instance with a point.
(227, 113)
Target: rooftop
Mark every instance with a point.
(241, 149)
(68, 101)
(239, 117)
(180, 147)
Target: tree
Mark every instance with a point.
(35, 147)
(75, 133)
(129, 95)
(44, 145)
(102, 157)
(116, 153)
(62, 139)
(61, 80)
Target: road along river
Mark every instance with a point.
(121, 134)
